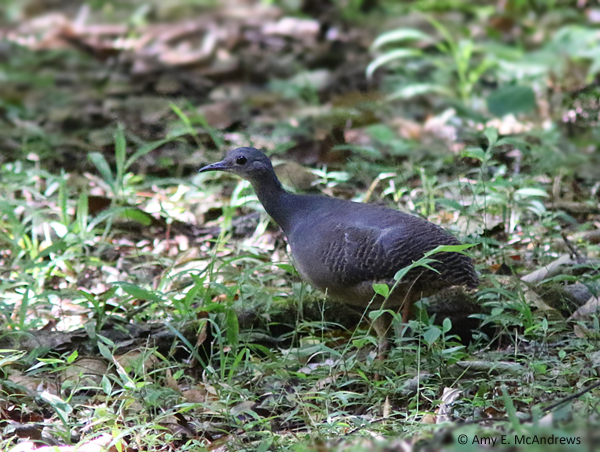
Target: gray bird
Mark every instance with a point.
(343, 247)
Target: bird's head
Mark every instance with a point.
(248, 163)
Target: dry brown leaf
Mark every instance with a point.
(203, 333)
(195, 395)
(86, 371)
(534, 299)
(131, 358)
(429, 418)
(591, 307)
(99, 444)
(387, 408)
(408, 129)
(449, 396)
(294, 27)
(171, 383)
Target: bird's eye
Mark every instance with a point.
(241, 160)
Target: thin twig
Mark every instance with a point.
(571, 397)
(574, 252)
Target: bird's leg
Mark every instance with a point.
(407, 310)
(382, 326)
(412, 295)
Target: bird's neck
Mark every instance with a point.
(276, 201)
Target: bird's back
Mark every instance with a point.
(344, 248)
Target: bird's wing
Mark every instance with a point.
(361, 253)
(372, 245)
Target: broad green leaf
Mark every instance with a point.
(510, 409)
(184, 118)
(451, 350)
(13, 357)
(102, 166)
(374, 315)
(537, 207)
(106, 385)
(389, 57)
(449, 249)
(62, 408)
(126, 213)
(104, 351)
(233, 327)
(511, 99)
(423, 262)
(516, 142)
(432, 335)
(491, 134)
(403, 34)
(402, 273)
(82, 212)
(446, 325)
(72, 357)
(106, 340)
(382, 289)
(265, 444)
(474, 153)
(138, 292)
(133, 214)
(196, 288)
(530, 193)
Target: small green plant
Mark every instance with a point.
(469, 63)
(330, 178)
(462, 62)
(500, 195)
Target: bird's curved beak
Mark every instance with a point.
(223, 165)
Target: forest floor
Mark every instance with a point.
(146, 307)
